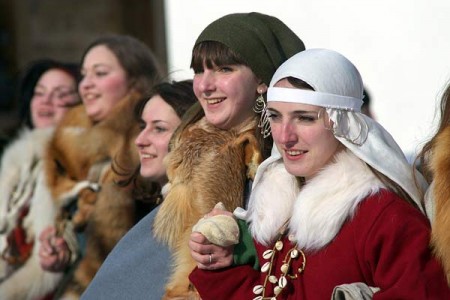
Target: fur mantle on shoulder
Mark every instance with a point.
(440, 194)
(316, 211)
(206, 165)
(22, 185)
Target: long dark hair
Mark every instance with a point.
(180, 96)
(30, 77)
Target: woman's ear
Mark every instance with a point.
(262, 88)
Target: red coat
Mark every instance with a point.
(384, 245)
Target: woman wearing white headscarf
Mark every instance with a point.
(336, 203)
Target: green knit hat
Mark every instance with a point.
(264, 42)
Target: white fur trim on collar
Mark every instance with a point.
(319, 210)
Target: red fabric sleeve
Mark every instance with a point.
(396, 249)
(235, 283)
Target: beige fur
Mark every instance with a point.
(80, 152)
(207, 165)
(440, 165)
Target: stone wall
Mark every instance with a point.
(61, 29)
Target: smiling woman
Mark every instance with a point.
(213, 156)
(336, 191)
(47, 91)
(160, 116)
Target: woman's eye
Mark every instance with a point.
(273, 116)
(160, 129)
(225, 69)
(307, 118)
(100, 73)
(142, 126)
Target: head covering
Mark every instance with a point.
(263, 41)
(334, 78)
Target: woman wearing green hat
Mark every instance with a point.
(233, 59)
(336, 212)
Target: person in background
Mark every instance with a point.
(233, 60)
(158, 114)
(37, 108)
(336, 210)
(366, 107)
(434, 162)
(91, 212)
(47, 90)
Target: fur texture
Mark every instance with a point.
(207, 165)
(80, 154)
(22, 170)
(440, 166)
(319, 210)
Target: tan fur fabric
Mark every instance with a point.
(440, 165)
(207, 166)
(81, 151)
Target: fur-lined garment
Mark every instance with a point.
(78, 168)
(342, 227)
(207, 165)
(26, 208)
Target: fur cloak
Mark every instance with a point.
(23, 189)
(206, 165)
(78, 166)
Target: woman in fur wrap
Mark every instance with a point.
(335, 210)
(436, 164)
(47, 90)
(117, 71)
(213, 155)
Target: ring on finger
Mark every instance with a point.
(210, 258)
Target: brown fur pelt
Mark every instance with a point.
(440, 166)
(206, 165)
(81, 152)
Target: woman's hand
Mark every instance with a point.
(54, 253)
(209, 256)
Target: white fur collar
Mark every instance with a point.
(318, 211)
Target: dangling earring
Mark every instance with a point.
(260, 108)
(260, 105)
(264, 124)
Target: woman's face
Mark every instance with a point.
(54, 93)
(104, 82)
(227, 94)
(158, 122)
(301, 137)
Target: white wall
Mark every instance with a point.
(401, 48)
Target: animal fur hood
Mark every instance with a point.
(315, 212)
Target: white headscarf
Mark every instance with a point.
(338, 87)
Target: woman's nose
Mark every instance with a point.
(287, 134)
(85, 82)
(206, 81)
(141, 140)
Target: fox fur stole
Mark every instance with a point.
(206, 165)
